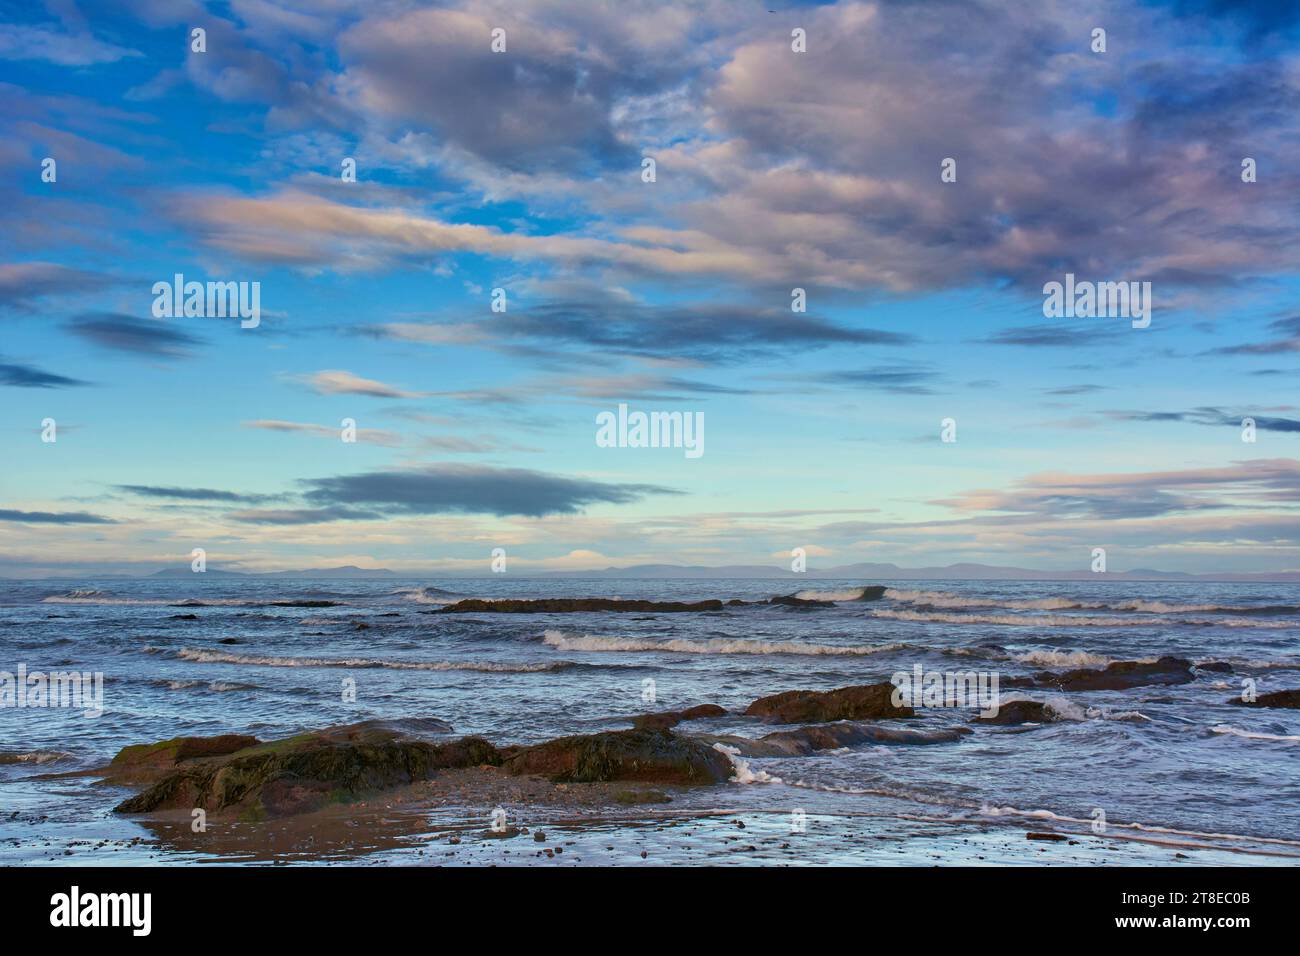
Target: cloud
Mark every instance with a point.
(27, 376)
(53, 517)
(339, 382)
(26, 42)
(297, 516)
(375, 436)
(901, 380)
(123, 333)
(544, 104)
(1208, 415)
(21, 283)
(1287, 340)
(444, 489)
(1141, 494)
(192, 494)
(1076, 336)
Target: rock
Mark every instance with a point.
(149, 761)
(671, 718)
(1020, 712)
(649, 756)
(871, 593)
(1055, 837)
(1119, 675)
(1278, 698)
(863, 702)
(539, 836)
(184, 617)
(295, 775)
(1217, 667)
(791, 601)
(568, 605)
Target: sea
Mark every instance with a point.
(1167, 766)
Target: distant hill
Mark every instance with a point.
(347, 571)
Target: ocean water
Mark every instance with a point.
(269, 657)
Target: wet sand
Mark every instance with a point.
(448, 821)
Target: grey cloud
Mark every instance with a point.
(28, 376)
(900, 380)
(123, 333)
(193, 494)
(53, 517)
(471, 489)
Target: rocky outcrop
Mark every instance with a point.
(146, 762)
(791, 601)
(1019, 712)
(574, 605)
(646, 756)
(1119, 675)
(569, 605)
(671, 718)
(873, 592)
(302, 773)
(1278, 698)
(863, 702)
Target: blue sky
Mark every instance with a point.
(522, 170)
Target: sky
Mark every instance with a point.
(794, 146)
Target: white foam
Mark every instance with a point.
(717, 645)
(852, 594)
(1254, 735)
(741, 771)
(221, 657)
(1063, 659)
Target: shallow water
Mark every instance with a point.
(1153, 759)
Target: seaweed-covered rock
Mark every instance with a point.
(1119, 675)
(568, 605)
(647, 756)
(671, 718)
(862, 702)
(149, 761)
(298, 774)
(1278, 698)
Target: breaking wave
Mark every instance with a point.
(717, 645)
(944, 599)
(222, 657)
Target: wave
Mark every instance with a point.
(852, 594)
(740, 769)
(948, 600)
(717, 645)
(222, 657)
(1019, 620)
(1063, 659)
(1070, 710)
(32, 756)
(98, 598)
(1254, 735)
(1070, 620)
(216, 686)
(432, 595)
